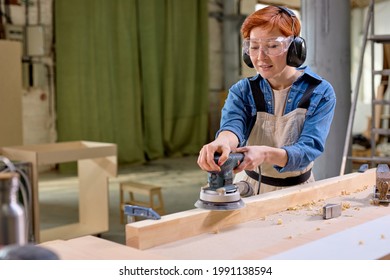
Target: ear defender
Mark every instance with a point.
(296, 53)
(247, 59)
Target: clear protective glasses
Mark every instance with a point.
(270, 46)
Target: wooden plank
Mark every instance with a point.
(150, 233)
(69, 231)
(11, 113)
(53, 153)
(94, 248)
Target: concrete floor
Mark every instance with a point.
(180, 179)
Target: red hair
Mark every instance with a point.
(269, 18)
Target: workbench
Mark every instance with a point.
(96, 162)
(297, 232)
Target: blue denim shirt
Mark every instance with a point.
(239, 115)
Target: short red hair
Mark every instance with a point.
(269, 18)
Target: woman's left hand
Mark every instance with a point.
(257, 155)
(254, 156)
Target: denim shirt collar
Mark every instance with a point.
(307, 73)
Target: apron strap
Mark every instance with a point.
(258, 95)
(305, 100)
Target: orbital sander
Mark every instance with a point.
(220, 193)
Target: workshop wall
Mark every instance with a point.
(37, 67)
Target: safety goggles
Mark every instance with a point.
(269, 46)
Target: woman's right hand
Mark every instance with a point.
(222, 145)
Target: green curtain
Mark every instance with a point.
(134, 73)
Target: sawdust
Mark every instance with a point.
(279, 222)
(345, 205)
(316, 207)
(345, 192)
(307, 206)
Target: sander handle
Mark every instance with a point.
(224, 178)
(232, 162)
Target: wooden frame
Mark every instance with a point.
(151, 233)
(96, 162)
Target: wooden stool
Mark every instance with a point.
(149, 191)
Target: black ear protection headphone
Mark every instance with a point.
(296, 53)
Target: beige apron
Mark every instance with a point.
(275, 131)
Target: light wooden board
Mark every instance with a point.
(179, 226)
(11, 113)
(94, 248)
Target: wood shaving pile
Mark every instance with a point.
(294, 208)
(345, 192)
(306, 206)
(345, 205)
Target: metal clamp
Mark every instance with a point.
(137, 211)
(330, 211)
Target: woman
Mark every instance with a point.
(280, 118)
